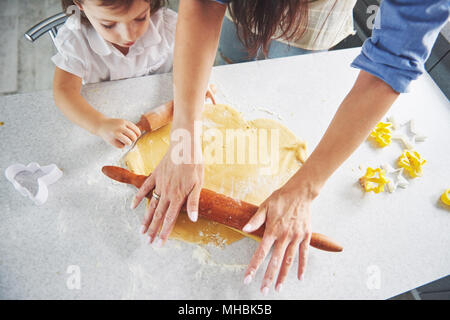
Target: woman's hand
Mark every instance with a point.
(286, 213)
(174, 184)
(118, 132)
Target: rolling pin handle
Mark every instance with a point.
(143, 125)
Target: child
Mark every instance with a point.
(109, 40)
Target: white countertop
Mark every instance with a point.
(401, 239)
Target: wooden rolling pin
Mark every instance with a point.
(162, 115)
(220, 208)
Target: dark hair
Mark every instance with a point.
(155, 5)
(258, 21)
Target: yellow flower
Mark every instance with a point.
(411, 161)
(445, 197)
(371, 182)
(382, 133)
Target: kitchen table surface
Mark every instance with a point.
(84, 242)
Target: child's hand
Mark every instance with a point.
(118, 132)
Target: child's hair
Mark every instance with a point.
(113, 4)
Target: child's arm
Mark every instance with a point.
(67, 95)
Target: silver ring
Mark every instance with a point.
(155, 195)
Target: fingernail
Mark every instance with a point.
(301, 278)
(265, 291)
(193, 216)
(247, 228)
(279, 287)
(142, 230)
(159, 244)
(149, 239)
(248, 279)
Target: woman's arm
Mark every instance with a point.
(66, 92)
(287, 211)
(367, 102)
(196, 41)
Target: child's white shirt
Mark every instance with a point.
(84, 53)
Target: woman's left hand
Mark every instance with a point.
(286, 213)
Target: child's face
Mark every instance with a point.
(118, 26)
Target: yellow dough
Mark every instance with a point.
(272, 154)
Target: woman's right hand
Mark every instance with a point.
(175, 184)
(118, 132)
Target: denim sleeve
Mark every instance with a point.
(402, 39)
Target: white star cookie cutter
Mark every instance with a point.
(47, 175)
(396, 178)
(410, 140)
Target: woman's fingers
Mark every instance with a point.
(258, 257)
(288, 260)
(149, 212)
(303, 255)
(264, 246)
(169, 221)
(256, 221)
(157, 220)
(192, 202)
(274, 265)
(147, 186)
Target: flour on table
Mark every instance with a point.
(203, 257)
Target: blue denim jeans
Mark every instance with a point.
(231, 49)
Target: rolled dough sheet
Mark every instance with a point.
(249, 180)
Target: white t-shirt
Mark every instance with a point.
(84, 53)
(329, 22)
